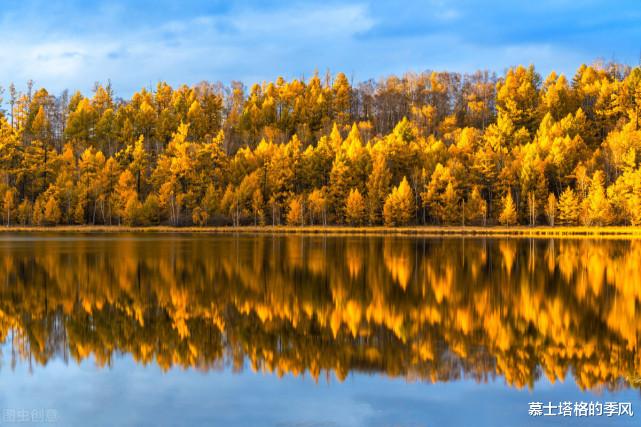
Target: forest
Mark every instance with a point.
(437, 148)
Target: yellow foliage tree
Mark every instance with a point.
(399, 205)
(317, 206)
(127, 205)
(378, 185)
(199, 216)
(550, 209)
(568, 208)
(25, 212)
(295, 212)
(596, 206)
(508, 214)
(9, 204)
(475, 208)
(450, 205)
(38, 212)
(132, 214)
(355, 207)
(151, 210)
(52, 212)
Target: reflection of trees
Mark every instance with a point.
(430, 309)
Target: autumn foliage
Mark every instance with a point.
(431, 148)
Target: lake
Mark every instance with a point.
(312, 330)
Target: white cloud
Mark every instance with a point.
(214, 47)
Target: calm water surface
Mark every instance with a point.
(239, 330)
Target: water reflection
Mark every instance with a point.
(424, 309)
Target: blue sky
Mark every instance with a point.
(137, 43)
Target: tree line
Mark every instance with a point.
(430, 148)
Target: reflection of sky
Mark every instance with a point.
(135, 43)
(129, 394)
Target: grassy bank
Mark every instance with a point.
(417, 230)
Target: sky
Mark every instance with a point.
(135, 44)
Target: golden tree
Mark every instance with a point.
(475, 209)
(295, 214)
(508, 214)
(596, 206)
(568, 207)
(8, 203)
(317, 206)
(451, 208)
(52, 212)
(399, 205)
(550, 209)
(378, 185)
(355, 207)
(128, 207)
(25, 212)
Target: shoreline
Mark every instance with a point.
(496, 231)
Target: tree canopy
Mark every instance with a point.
(428, 148)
